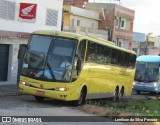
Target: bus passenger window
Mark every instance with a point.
(122, 61)
(82, 50)
(114, 56)
(133, 61)
(107, 55)
(100, 54)
(91, 53)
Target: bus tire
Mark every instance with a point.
(82, 98)
(138, 92)
(121, 93)
(38, 98)
(115, 97)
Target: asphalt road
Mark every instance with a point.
(26, 105)
(12, 104)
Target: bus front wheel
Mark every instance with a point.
(138, 92)
(38, 98)
(82, 97)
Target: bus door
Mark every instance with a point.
(80, 70)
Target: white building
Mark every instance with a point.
(19, 18)
(82, 21)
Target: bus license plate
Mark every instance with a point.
(40, 92)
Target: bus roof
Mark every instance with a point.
(81, 37)
(148, 58)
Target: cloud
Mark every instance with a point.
(147, 15)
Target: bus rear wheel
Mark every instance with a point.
(115, 97)
(38, 98)
(121, 94)
(82, 97)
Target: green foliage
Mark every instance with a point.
(141, 107)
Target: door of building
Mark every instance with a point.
(4, 55)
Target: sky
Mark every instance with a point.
(147, 14)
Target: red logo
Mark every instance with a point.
(27, 11)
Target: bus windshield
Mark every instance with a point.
(49, 58)
(147, 71)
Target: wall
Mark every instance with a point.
(12, 30)
(84, 13)
(157, 43)
(77, 3)
(87, 18)
(108, 14)
(84, 22)
(42, 5)
(13, 62)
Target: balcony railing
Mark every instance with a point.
(85, 29)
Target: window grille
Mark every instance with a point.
(52, 17)
(7, 10)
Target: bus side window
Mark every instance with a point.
(82, 50)
(128, 60)
(107, 55)
(133, 60)
(100, 54)
(114, 59)
(91, 52)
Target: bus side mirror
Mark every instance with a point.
(22, 50)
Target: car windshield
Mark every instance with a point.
(147, 72)
(49, 58)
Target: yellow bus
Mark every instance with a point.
(72, 67)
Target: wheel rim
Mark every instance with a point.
(80, 100)
(121, 94)
(115, 95)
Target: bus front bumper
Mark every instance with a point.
(145, 88)
(59, 95)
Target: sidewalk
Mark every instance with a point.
(9, 90)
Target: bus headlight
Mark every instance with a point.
(134, 83)
(154, 84)
(22, 82)
(61, 89)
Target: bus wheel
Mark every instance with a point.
(121, 93)
(138, 92)
(82, 97)
(38, 98)
(115, 95)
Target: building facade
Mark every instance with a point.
(77, 3)
(152, 49)
(82, 21)
(117, 20)
(139, 42)
(18, 19)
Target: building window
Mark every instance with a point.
(52, 17)
(72, 23)
(120, 44)
(78, 22)
(92, 25)
(7, 10)
(122, 23)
